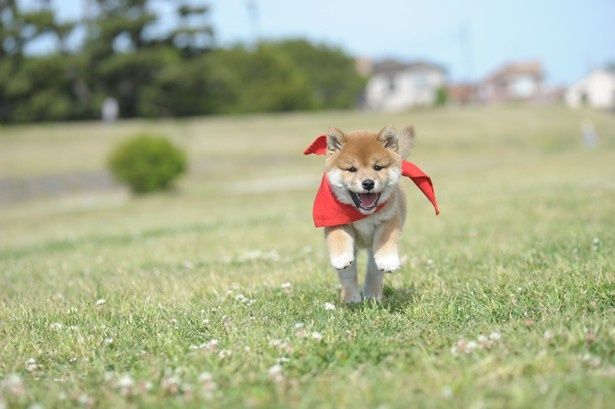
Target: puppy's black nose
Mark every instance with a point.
(368, 184)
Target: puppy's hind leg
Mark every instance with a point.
(340, 243)
(372, 288)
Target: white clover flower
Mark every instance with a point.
(211, 346)
(56, 326)
(272, 256)
(495, 336)
(125, 385)
(208, 386)
(101, 302)
(591, 360)
(31, 365)
(171, 384)
(14, 385)
(85, 400)
(275, 342)
(145, 386)
(108, 341)
(205, 377)
(224, 353)
(275, 373)
(286, 286)
(460, 346)
(329, 306)
(298, 325)
(317, 336)
(125, 381)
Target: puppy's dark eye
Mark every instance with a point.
(377, 167)
(352, 169)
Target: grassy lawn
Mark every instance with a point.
(217, 294)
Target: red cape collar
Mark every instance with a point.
(328, 211)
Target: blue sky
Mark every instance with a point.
(470, 37)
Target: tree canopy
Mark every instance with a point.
(151, 72)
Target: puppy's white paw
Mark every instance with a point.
(388, 262)
(351, 295)
(342, 261)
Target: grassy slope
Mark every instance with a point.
(523, 247)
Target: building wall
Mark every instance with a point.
(403, 89)
(597, 90)
(518, 87)
(523, 87)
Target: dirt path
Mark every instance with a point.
(16, 189)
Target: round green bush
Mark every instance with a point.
(147, 163)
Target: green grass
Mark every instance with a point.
(523, 247)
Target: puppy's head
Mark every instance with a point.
(364, 167)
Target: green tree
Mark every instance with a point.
(25, 94)
(259, 80)
(152, 72)
(330, 73)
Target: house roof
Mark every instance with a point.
(390, 66)
(531, 68)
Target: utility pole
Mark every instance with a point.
(253, 15)
(465, 51)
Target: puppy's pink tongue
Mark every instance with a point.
(368, 199)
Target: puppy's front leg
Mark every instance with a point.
(340, 243)
(386, 243)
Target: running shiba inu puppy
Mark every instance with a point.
(361, 205)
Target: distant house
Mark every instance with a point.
(595, 90)
(463, 94)
(395, 86)
(521, 81)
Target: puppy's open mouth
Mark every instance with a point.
(365, 201)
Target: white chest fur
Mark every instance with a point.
(365, 228)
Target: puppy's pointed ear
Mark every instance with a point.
(389, 138)
(406, 141)
(335, 140)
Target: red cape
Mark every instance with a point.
(328, 211)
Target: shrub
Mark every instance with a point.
(147, 163)
(441, 96)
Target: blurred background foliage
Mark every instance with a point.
(152, 73)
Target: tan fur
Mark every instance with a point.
(379, 233)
